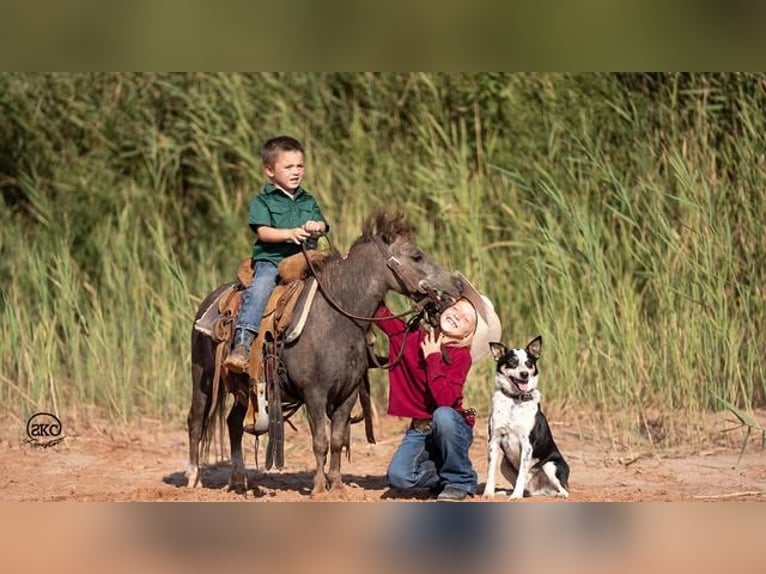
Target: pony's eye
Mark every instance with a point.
(417, 257)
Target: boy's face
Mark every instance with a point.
(287, 170)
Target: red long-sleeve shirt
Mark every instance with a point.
(419, 385)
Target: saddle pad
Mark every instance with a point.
(304, 305)
(205, 323)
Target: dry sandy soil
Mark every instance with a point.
(99, 461)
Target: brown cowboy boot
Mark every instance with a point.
(238, 358)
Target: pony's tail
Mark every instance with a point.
(216, 416)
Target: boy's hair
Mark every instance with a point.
(277, 145)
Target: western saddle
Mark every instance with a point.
(283, 321)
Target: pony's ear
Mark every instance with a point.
(391, 224)
(387, 237)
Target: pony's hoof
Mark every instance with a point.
(194, 482)
(193, 477)
(320, 487)
(334, 481)
(253, 488)
(237, 488)
(237, 483)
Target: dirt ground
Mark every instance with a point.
(99, 461)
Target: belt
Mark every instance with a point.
(422, 425)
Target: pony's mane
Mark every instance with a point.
(388, 224)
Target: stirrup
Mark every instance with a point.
(257, 422)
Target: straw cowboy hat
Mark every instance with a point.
(488, 326)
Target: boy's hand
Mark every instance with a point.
(297, 235)
(432, 343)
(315, 228)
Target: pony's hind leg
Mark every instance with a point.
(339, 428)
(196, 421)
(238, 478)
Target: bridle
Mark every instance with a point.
(418, 311)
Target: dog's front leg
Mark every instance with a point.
(521, 479)
(493, 451)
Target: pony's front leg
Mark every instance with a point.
(238, 478)
(315, 409)
(339, 429)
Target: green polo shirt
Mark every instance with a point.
(273, 208)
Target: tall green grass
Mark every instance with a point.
(617, 215)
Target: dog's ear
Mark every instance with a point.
(535, 346)
(498, 349)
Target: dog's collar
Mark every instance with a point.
(523, 397)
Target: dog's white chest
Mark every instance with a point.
(513, 418)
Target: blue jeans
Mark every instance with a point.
(256, 296)
(436, 458)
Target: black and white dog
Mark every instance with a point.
(531, 460)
